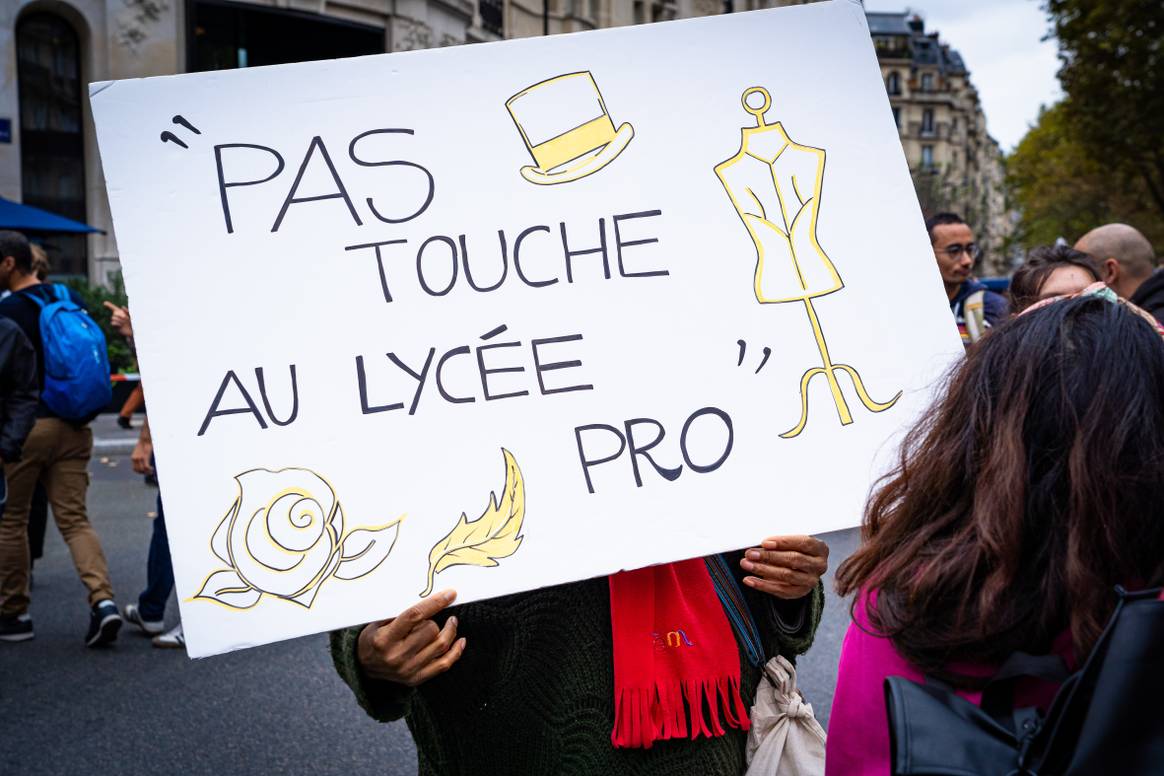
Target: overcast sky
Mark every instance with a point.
(1000, 40)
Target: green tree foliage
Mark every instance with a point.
(1098, 155)
(939, 190)
(121, 357)
(1112, 73)
(1061, 191)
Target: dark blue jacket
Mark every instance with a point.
(995, 308)
(18, 389)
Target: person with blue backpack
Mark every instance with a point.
(73, 375)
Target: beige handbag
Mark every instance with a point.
(785, 738)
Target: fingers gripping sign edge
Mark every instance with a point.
(420, 612)
(783, 575)
(399, 649)
(804, 544)
(441, 653)
(778, 589)
(797, 561)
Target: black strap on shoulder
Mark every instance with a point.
(998, 695)
(1050, 668)
(1069, 710)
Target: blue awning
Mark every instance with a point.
(25, 218)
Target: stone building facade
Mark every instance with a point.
(956, 164)
(51, 49)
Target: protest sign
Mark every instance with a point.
(504, 316)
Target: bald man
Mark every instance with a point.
(1129, 265)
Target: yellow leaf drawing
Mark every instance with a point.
(494, 535)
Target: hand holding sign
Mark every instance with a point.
(411, 649)
(410, 293)
(787, 567)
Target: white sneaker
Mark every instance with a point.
(150, 627)
(171, 639)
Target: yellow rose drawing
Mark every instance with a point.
(284, 536)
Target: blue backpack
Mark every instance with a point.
(76, 362)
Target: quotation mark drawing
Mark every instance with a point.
(744, 346)
(170, 137)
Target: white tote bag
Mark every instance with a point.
(785, 738)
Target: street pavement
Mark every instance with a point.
(133, 709)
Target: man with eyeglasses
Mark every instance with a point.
(975, 308)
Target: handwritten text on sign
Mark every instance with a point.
(507, 316)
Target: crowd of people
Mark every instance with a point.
(1026, 494)
(46, 444)
(1117, 255)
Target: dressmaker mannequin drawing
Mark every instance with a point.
(775, 185)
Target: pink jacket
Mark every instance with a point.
(858, 740)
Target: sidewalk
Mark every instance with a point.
(110, 438)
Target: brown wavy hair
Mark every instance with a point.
(1025, 494)
(1028, 280)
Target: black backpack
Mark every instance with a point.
(1107, 717)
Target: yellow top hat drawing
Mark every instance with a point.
(565, 125)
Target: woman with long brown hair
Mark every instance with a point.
(1051, 270)
(1026, 494)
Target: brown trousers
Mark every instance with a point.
(57, 454)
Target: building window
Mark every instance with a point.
(52, 147)
(927, 161)
(492, 16)
(893, 83)
(927, 82)
(227, 36)
(897, 117)
(927, 126)
(647, 11)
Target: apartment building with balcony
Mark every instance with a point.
(52, 48)
(956, 164)
(48, 157)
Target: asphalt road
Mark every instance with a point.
(133, 709)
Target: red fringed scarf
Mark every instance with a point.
(676, 663)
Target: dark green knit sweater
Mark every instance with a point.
(533, 694)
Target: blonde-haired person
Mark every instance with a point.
(40, 262)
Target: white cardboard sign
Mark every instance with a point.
(504, 316)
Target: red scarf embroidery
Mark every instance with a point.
(676, 663)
